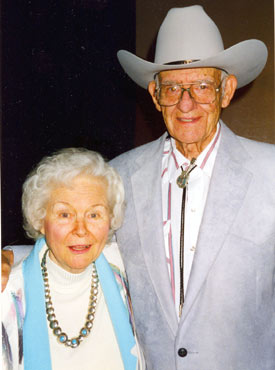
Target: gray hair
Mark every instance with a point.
(224, 76)
(60, 169)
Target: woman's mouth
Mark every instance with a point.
(78, 249)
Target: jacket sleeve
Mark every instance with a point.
(20, 252)
(13, 312)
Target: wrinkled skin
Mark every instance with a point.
(77, 222)
(191, 124)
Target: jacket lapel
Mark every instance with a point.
(229, 183)
(148, 205)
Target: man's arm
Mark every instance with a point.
(9, 256)
(6, 263)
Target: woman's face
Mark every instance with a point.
(77, 222)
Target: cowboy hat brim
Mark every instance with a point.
(245, 60)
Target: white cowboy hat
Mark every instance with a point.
(188, 38)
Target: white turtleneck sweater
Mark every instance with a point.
(70, 297)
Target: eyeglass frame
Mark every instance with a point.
(183, 89)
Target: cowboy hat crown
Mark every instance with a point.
(188, 38)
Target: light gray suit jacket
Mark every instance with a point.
(228, 318)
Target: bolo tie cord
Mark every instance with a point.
(182, 182)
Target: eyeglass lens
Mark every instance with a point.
(202, 92)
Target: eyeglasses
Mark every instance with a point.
(203, 92)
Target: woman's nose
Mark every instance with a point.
(80, 228)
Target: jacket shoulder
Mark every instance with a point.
(259, 151)
(257, 146)
(146, 151)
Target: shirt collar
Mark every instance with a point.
(205, 160)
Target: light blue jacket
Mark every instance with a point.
(228, 319)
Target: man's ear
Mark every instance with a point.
(229, 90)
(152, 92)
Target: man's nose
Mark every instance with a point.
(186, 102)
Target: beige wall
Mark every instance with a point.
(251, 113)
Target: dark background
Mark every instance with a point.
(62, 85)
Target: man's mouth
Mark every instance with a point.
(188, 120)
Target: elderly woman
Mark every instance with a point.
(66, 306)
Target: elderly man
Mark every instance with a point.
(198, 238)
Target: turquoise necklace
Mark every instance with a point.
(62, 337)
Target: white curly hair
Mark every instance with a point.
(60, 169)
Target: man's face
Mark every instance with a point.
(189, 122)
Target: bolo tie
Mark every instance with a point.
(182, 182)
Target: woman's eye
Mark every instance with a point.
(94, 215)
(64, 215)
